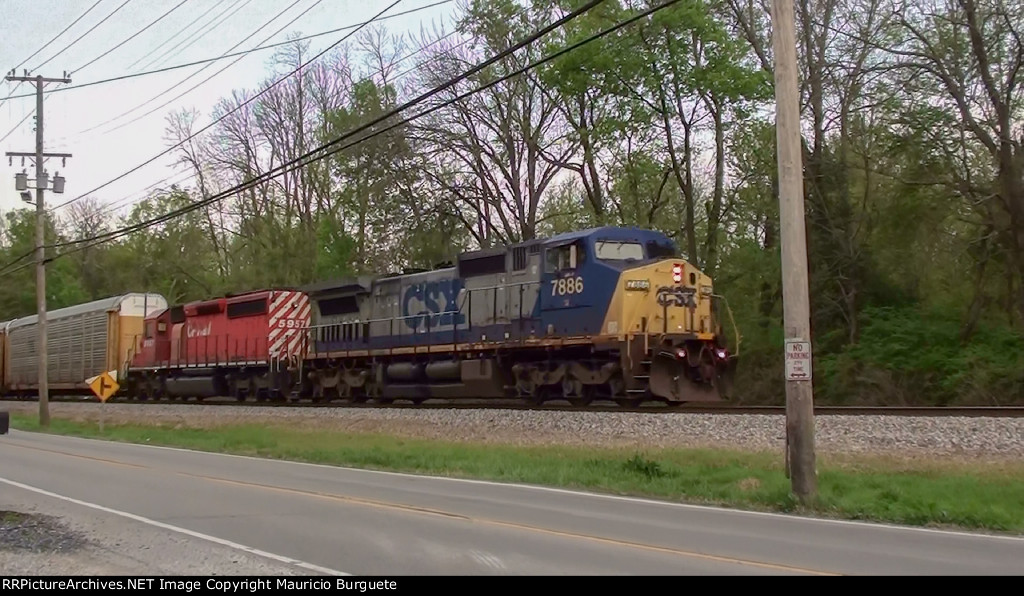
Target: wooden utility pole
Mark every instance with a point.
(800, 459)
(42, 179)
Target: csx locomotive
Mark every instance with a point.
(609, 313)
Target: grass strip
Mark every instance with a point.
(935, 492)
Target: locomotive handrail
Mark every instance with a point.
(468, 292)
(735, 329)
(207, 351)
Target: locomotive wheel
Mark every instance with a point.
(541, 394)
(629, 402)
(587, 395)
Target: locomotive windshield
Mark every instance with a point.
(658, 250)
(616, 250)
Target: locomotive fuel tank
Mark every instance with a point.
(198, 385)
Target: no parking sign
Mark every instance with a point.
(798, 360)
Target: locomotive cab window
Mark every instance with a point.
(155, 328)
(617, 250)
(567, 256)
(657, 250)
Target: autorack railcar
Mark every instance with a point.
(83, 341)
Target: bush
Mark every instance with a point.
(905, 356)
(909, 356)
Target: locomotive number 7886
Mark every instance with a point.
(566, 285)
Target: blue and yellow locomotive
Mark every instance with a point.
(608, 313)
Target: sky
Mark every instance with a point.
(114, 147)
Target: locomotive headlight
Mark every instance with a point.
(705, 290)
(677, 273)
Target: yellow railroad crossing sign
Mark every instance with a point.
(103, 386)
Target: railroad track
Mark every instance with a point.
(724, 408)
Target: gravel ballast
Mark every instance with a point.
(991, 438)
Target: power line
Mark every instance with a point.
(232, 55)
(73, 23)
(179, 32)
(116, 204)
(93, 28)
(207, 79)
(179, 83)
(10, 132)
(178, 178)
(136, 34)
(12, 96)
(110, 236)
(55, 37)
(235, 109)
(39, 50)
(202, 32)
(299, 161)
(125, 201)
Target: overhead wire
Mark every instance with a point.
(18, 125)
(231, 55)
(201, 32)
(6, 268)
(133, 36)
(80, 37)
(179, 83)
(91, 29)
(284, 168)
(177, 177)
(300, 161)
(118, 203)
(235, 109)
(198, 18)
(46, 45)
(55, 37)
(66, 48)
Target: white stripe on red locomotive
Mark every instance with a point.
(289, 315)
(291, 335)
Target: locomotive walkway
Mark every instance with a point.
(334, 520)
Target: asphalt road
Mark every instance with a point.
(344, 521)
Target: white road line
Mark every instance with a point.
(153, 522)
(639, 500)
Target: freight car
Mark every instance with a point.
(607, 313)
(83, 341)
(244, 345)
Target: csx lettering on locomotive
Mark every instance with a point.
(433, 300)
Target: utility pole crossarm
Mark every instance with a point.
(62, 156)
(33, 155)
(37, 79)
